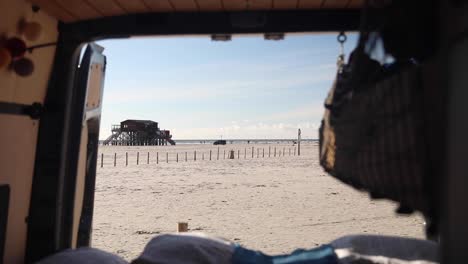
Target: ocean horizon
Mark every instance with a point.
(237, 141)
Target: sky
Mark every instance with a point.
(247, 88)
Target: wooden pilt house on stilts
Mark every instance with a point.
(139, 133)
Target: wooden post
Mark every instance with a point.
(182, 227)
(126, 158)
(258, 150)
(115, 159)
(294, 151)
(102, 160)
(263, 155)
(195, 155)
(210, 154)
(203, 156)
(167, 157)
(157, 157)
(224, 154)
(138, 157)
(185, 156)
(283, 152)
(245, 153)
(299, 142)
(177, 157)
(217, 156)
(275, 152)
(252, 152)
(289, 151)
(269, 151)
(238, 154)
(147, 160)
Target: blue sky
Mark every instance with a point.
(200, 89)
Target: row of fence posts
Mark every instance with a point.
(203, 155)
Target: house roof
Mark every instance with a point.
(139, 121)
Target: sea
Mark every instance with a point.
(237, 141)
(242, 141)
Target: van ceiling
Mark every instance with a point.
(78, 10)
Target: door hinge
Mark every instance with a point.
(34, 110)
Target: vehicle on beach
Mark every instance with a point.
(219, 142)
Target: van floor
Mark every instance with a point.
(273, 204)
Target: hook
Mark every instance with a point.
(342, 37)
(341, 58)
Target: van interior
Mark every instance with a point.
(52, 77)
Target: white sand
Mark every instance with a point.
(271, 204)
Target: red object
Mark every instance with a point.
(16, 47)
(23, 67)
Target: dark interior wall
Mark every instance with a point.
(454, 208)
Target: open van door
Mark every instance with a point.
(92, 73)
(70, 202)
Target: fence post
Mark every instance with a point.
(269, 151)
(210, 154)
(102, 160)
(147, 160)
(126, 158)
(299, 142)
(252, 152)
(224, 154)
(185, 156)
(258, 150)
(245, 153)
(238, 154)
(167, 157)
(115, 159)
(157, 157)
(283, 152)
(195, 155)
(263, 155)
(177, 157)
(217, 156)
(182, 227)
(138, 157)
(203, 156)
(275, 152)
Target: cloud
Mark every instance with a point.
(207, 89)
(263, 64)
(312, 111)
(249, 131)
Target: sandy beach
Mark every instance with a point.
(273, 204)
